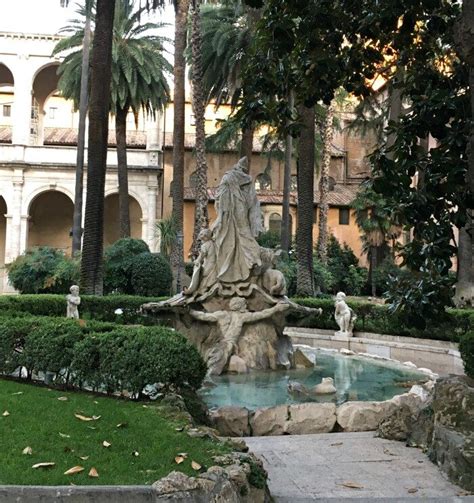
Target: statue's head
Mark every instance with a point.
(205, 235)
(238, 304)
(74, 290)
(243, 165)
(340, 296)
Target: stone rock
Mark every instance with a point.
(421, 429)
(325, 387)
(231, 421)
(410, 364)
(175, 481)
(362, 416)
(302, 360)
(345, 351)
(269, 421)
(311, 418)
(397, 425)
(237, 365)
(452, 447)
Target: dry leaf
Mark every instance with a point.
(43, 465)
(63, 435)
(135, 453)
(27, 450)
(93, 472)
(106, 444)
(179, 460)
(96, 402)
(6, 413)
(181, 428)
(95, 418)
(83, 418)
(84, 458)
(386, 451)
(74, 469)
(195, 466)
(18, 393)
(122, 425)
(464, 493)
(184, 454)
(63, 398)
(352, 485)
(92, 428)
(337, 443)
(413, 490)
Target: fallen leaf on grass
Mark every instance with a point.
(135, 453)
(74, 469)
(352, 485)
(122, 425)
(413, 490)
(178, 460)
(195, 466)
(63, 435)
(184, 454)
(181, 428)
(83, 418)
(43, 465)
(92, 428)
(63, 398)
(106, 444)
(96, 402)
(6, 413)
(337, 443)
(18, 393)
(93, 472)
(27, 450)
(84, 458)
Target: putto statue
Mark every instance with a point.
(235, 303)
(344, 316)
(73, 301)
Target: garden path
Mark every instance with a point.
(306, 468)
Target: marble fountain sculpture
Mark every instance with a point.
(235, 307)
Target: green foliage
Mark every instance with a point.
(323, 277)
(466, 348)
(151, 275)
(166, 230)
(257, 476)
(118, 263)
(43, 270)
(288, 267)
(269, 239)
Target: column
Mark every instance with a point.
(152, 238)
(14, 219)
(22, 104)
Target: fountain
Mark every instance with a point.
(235, 308)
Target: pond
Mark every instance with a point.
(355, 378)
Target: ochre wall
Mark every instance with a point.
(112, 223)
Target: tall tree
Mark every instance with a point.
(285, 219)
(201, 218)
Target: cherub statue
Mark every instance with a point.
(73, 300)
(231, 324)
(344, 316)
(204, 272)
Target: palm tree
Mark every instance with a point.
(138, 80)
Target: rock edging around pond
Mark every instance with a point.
(306, 418)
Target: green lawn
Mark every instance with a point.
(36, 418)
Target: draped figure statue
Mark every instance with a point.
(238, 223)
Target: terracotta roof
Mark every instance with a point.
(5, 134)
(342, 195)
(68, 136)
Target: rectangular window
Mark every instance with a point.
(7, 110)
(343, 216)
(52, 112)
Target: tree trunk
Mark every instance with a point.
(304, 234)
(246, 145)
(81, 137)
(373, 266)
(285, 221)
(201, 218)
(464, 36)
(328, 134)
(121, 137)
(92, 264)
(177, 191)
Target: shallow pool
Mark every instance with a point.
(355, 378)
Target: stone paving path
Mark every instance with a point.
(305, 468)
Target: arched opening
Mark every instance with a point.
(7, 96)
(3, 240)
(44, 86)
(112, 223)
(274, 223)
(50, 221)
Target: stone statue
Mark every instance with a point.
(238, 223)
(272, 280)
(204, 272)
(73, 300)
(230, 325)
(344, 316)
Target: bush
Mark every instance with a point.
(43, 270)
(151, 275)
(269, 239)
(466, 348)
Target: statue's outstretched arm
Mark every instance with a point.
(266, 313)
(202, 316)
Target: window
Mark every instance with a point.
(7, 110)
(343, 216)
(274, 224)
(52, 112)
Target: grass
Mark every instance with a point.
(38, 419)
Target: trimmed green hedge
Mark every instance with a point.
(466, 348)
(101, 356)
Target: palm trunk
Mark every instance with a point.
(177, 192)
(246, 145)
(81, 137)
(328, 134)
(304, 234)
(373, 266)
(121, 137)
(91, 264)
(201, 218)
(285, 221)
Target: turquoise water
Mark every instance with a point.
(355, 378)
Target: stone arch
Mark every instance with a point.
(111, 218)
(29, 199)
(274, 222)
(50, 220)
(7, 86)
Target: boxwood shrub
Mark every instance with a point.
(466, 348)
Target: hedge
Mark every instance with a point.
(466, 348)
(99, 356)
